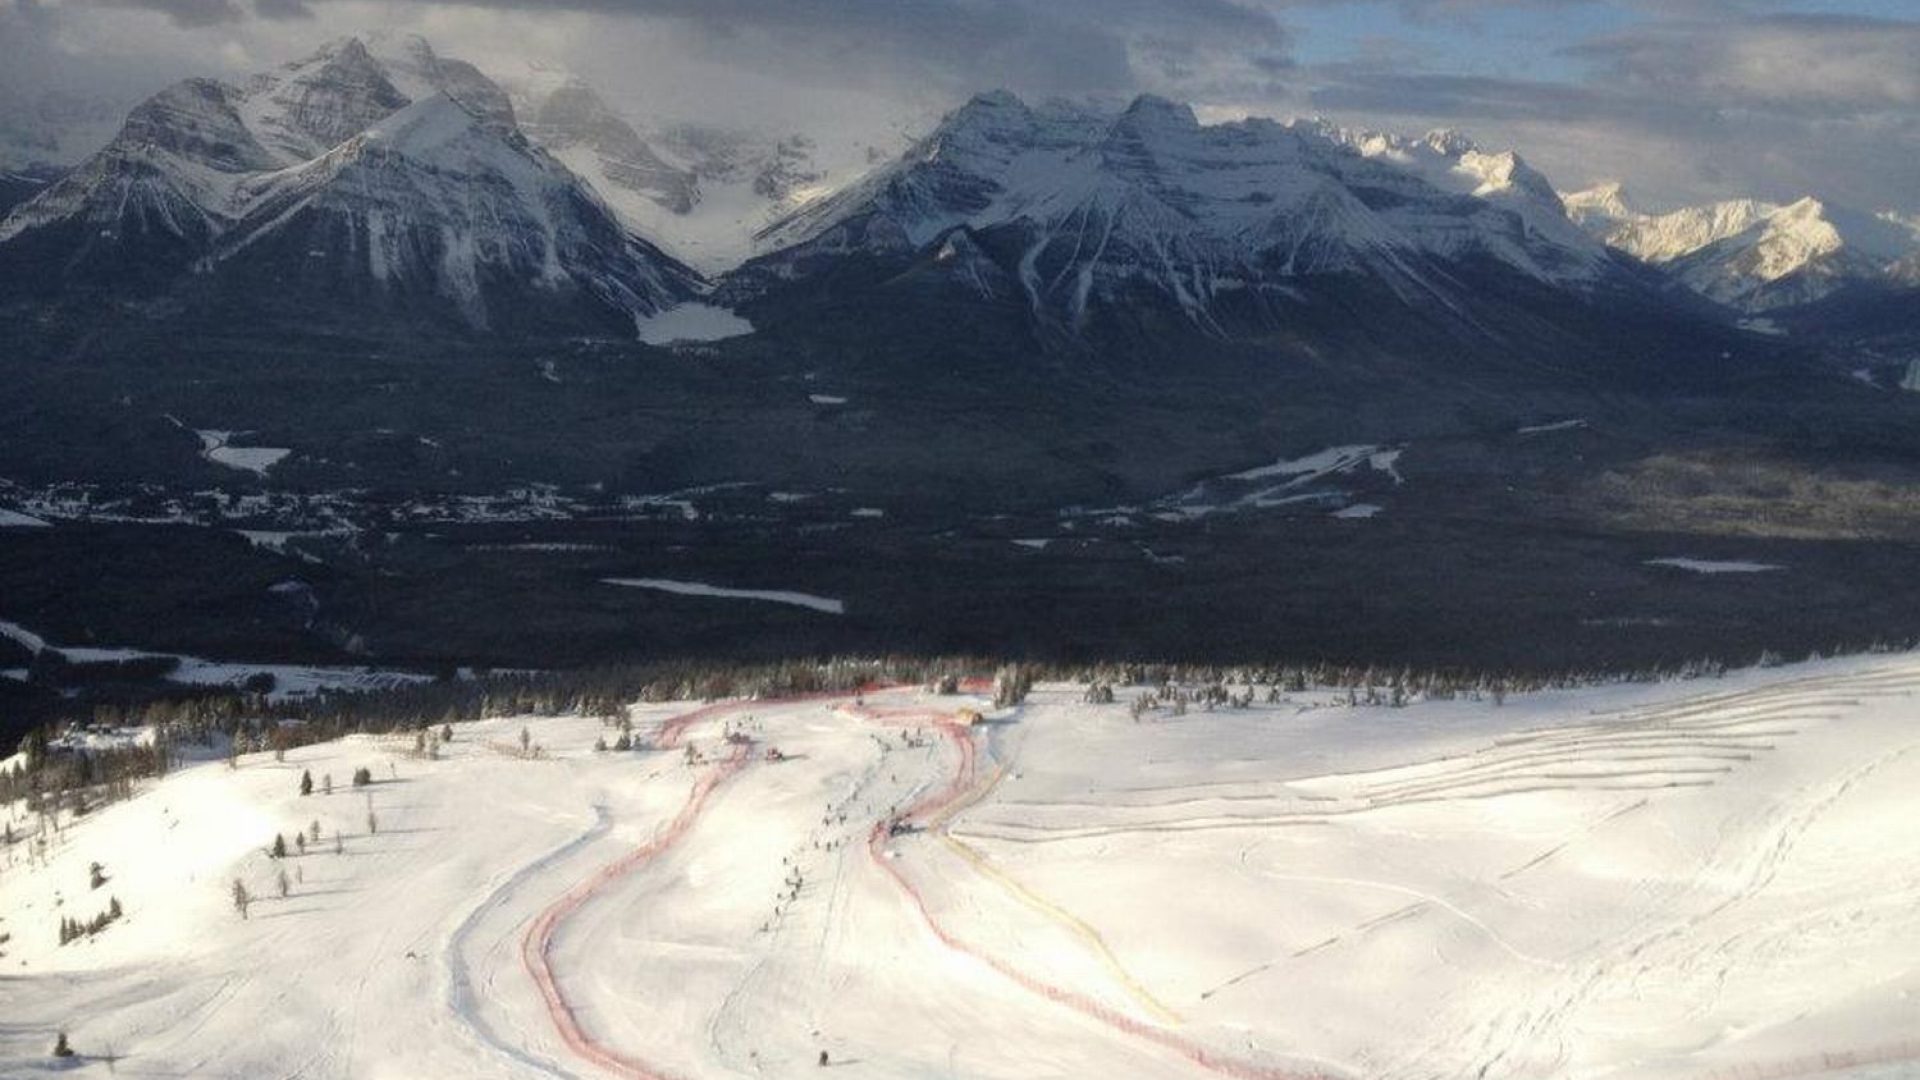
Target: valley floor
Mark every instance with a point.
(1697, 879)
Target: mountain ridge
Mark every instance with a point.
(204, 171)
(1755, 256)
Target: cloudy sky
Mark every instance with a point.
(1683, 99)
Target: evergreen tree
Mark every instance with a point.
(1011, 684)
(240, 897)
(60, 1047)
(306, 782)
(279, 846)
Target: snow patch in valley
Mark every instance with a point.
(691, 322)
(22, 637)
(1296, 479)
(217, 447)
(695, 588)
(289, 680)
(13, 519)
(1357, 511)
(826, 399)
(1715, 566)
(1559, 425)
(1323, 462)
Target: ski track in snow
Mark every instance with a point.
(537, 946)
(462, 1000)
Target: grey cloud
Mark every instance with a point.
(1776, 106)
(1045, 46)
(282, 9)
(1040, 46)
(190, 12)
(1826, 63)
(1700, 98)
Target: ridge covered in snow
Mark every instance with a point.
(1753, 255)
(701, 191)
(390, 169)
(1151, 197)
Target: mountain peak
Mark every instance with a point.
(1805, 208)
(343, 54)
(424, 126)
(1226, 222)
(377, 177)
(350, 47)
(1154, 109)
(1450, 142)
(1603, 204)
(995, 99)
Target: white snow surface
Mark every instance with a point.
(1547, 429)
(1715, 566)
(14, 519)
(217, 447)
(691, 321)
(1693, 879)
(695, 588)
(1319, 463)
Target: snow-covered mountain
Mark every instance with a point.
(1101, 206)
(1451, 161)
(701, 191)
(1607, 212)
(384, 174)
(1757, 256)
(433, 199)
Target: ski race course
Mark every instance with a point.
(1709, 879)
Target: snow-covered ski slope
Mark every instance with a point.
(1716, 878)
